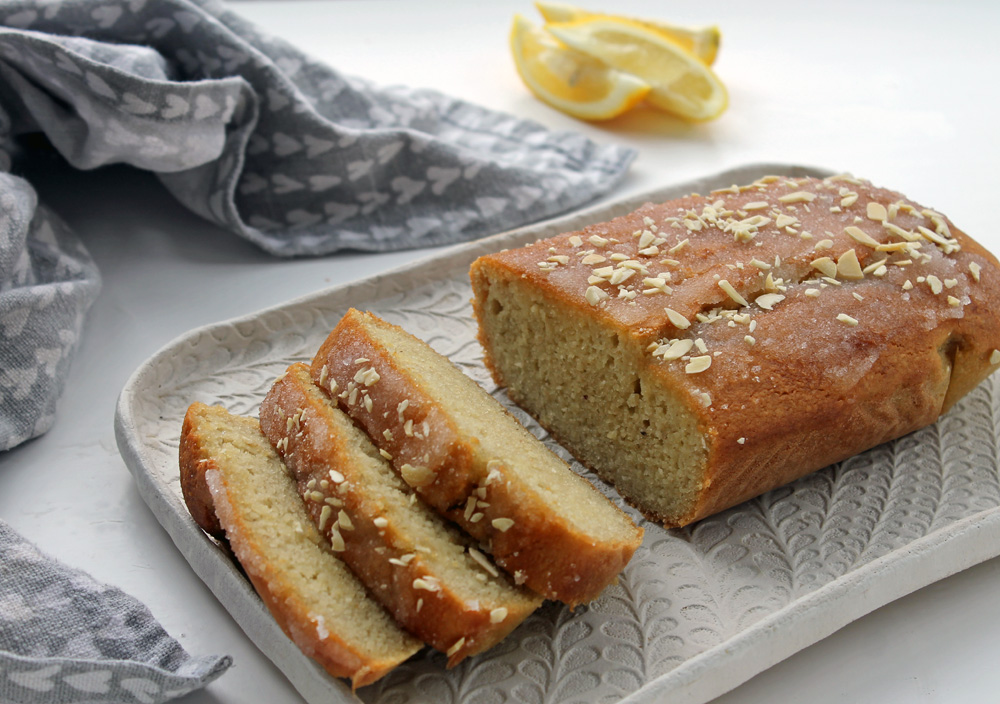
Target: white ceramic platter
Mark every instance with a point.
(697, 611)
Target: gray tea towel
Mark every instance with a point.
(65, 638)
(252, 134)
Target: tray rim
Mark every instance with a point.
(755, 649)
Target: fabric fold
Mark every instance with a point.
(47, 283)
(256, 136)
(66, 638)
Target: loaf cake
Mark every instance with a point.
(233, 479)
(466, 456)
(433, 579)
(700, 352)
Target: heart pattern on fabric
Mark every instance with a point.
(89, 642)
(176, 107)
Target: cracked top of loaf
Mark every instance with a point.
(747, 250)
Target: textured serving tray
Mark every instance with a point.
(697, 611)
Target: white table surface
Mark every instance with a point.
(903, 93)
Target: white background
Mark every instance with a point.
(905, 94)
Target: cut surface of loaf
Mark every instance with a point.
(700, 352)
(424, 571)
(229, 466)
(474, 462)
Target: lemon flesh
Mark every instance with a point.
(681, 84)
(568, 80)
(702, 42)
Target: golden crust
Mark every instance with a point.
(309, 432)
(210, 491)
(528, 534)
(838, 359)
(194, 463)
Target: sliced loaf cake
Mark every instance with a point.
(432, 578)
(474, 462)
(234, 480)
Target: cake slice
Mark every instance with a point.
(699, 352)
(432, 579)
(230, 471)
(474, 462)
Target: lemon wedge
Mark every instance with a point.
(570, 81)
(703, 42)
(681, 84)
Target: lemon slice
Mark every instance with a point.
(681, 83)
(568, 80)
(703, 42)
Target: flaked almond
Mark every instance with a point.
(456, 646)
(621, 276)
(895, 247)
(900, 232)
(859, 235)
(344, 520)
(784, 220)
(825, 266)
(427, 583)
(324, 517)
(732, 292)
(676, 319)
(798, 197)
(767, 301)
(416, 475)
(481, 560)
(678, 349)
(595, 295)
(874, 265)
(848, 266)
(337, 543)
(502, 524)
(876, 211)
(947, 245)
(698, 364)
